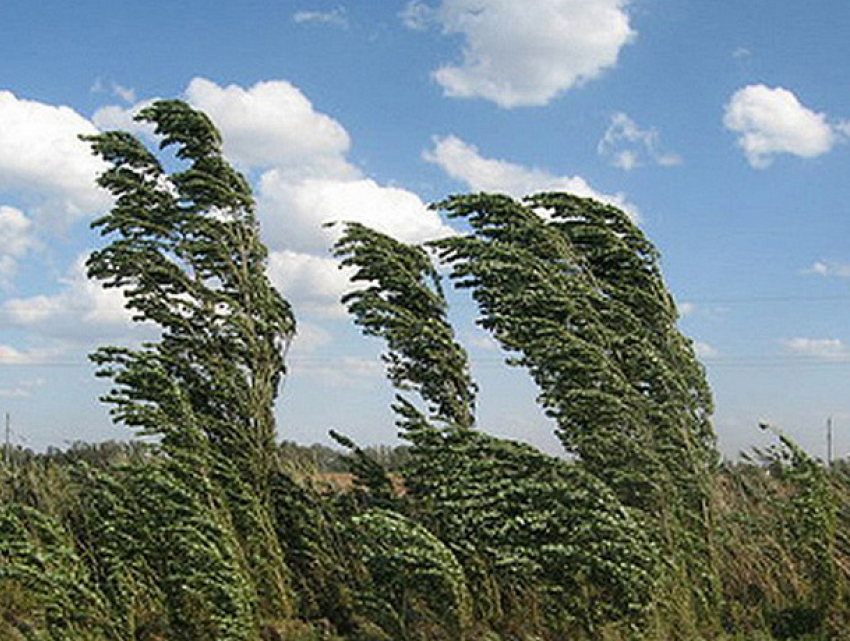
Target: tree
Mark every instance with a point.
(573, 289)
(403, 303)
(184, 248)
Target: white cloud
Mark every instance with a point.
(81, 311)
(12, 356)
(824, 268)
(463, 162)
(313, 284)
(293, 212)
(115, 117)
(269, 125)
(772, 121)
(417, 15)
(273, 124)
(335, 17)
(525, 53)
(829, 349)
(627, 145)
(306, 181)
(342, 371)
(309, 180)
(43, 160)
(309, 339)
(17, 239)
(704, 350)
(626, 159)
(127, 94)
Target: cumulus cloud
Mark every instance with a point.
(335, 17)
(269, 125)
(294, 212)
(273, 124)
(828, 349)
(43, 160)
(464, 163)
(17, 239)
(829, 268)
(306, 180)
(704, 350)
(525, 53)
(81, 310)
(117, 118)
(313, 284)
(771, 120)
(12, 356)
(628, 146)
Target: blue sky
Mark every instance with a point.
(722, 127)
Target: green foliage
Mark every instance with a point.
(186, 252)
(811, 514)
(162, 553)
(572, 287)
(538, 522)
(418, 587)
(579, 297)
(404, 304)
(777, 542)
(318, 553)
(45, 587)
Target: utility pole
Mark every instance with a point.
(7, 451)
(829, 442)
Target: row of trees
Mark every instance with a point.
(638, 533)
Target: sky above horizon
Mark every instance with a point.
(721, 127)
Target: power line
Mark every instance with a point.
(762, 299)
(7, 450)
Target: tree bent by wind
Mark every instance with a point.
(216, 536)
(572, 290)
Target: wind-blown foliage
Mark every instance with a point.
(403, 303)
(216, 531)
(555, 540)
(44, 584)
(523, 513)
(185, 250)
(573, 288)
